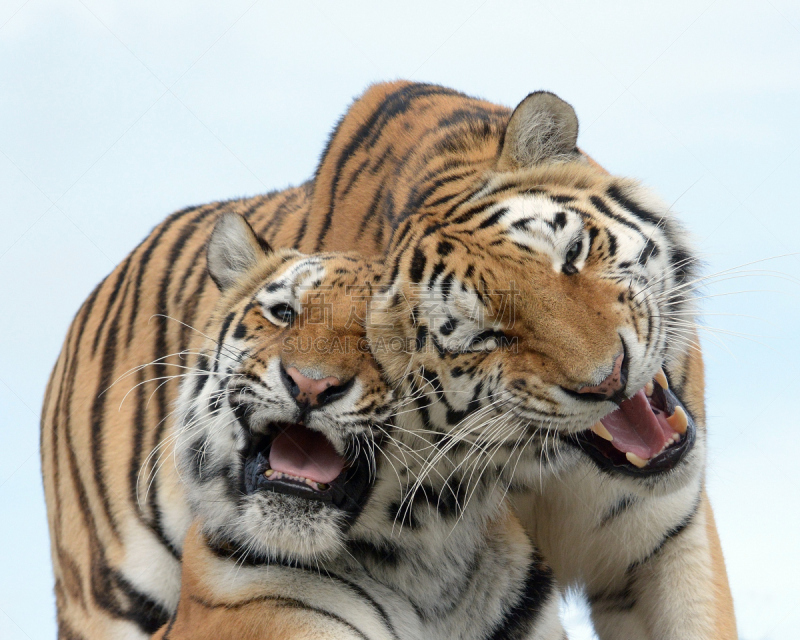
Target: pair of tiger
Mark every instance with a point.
(531, 338)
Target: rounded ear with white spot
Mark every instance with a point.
(233, 250)
(543, 128)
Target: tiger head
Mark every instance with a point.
(550, 308)
(279, 421)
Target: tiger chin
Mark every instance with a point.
(275, 437)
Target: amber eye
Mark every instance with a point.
(574, 252)
(283, 312)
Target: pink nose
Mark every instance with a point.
(308, 390)
(612, 383)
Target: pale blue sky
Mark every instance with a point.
(115, 114)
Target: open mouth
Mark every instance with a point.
(648, 434)
(298, 461)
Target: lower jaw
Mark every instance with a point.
(610, 460)
(347, 493)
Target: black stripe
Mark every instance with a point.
(280, 601)
(603, 208)
(417, 268)
(493, 218)
(115, 289)
(419, 199)
(612, 243)
(285, 208)
(97, 420)
(154, 242)
(470, 213)
(620, 507)
(383, 552)
(191, 226)
(636, 209)
(170, 624)
(256, 560)
(392, 106)
(372, 210)
(301, 230)
(518, 621)
(671, 534)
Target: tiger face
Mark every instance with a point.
(543, 312)
(279, 423)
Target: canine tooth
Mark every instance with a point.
(268, 473)
(322, 486)
(601, 431)
(661, 379)
(635, 460)
(648, 389)
(678, 420)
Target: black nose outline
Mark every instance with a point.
(332, 393)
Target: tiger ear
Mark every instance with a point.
(543, 128)
(233, 250)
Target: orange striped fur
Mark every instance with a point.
(402, 163)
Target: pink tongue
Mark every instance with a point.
(636, 429)
(302, 452)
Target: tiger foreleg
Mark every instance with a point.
(679, 592)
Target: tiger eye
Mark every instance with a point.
(283, 312)
(574, 252)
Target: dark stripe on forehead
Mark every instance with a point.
(640, 212)
(272, 287)
(470, 213)
(511, 186)
(603, 208)
(491, 220)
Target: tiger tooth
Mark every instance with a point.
(635, 460)
(661, 379)
(268, 473)
(601, 431)
(648, 388)
(322, 486)
(678, 420)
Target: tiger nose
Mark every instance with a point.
(311, 391)
(613, 383)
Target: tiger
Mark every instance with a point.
(278, 444)
(283, 443)
(536, 297)
(550, 309)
